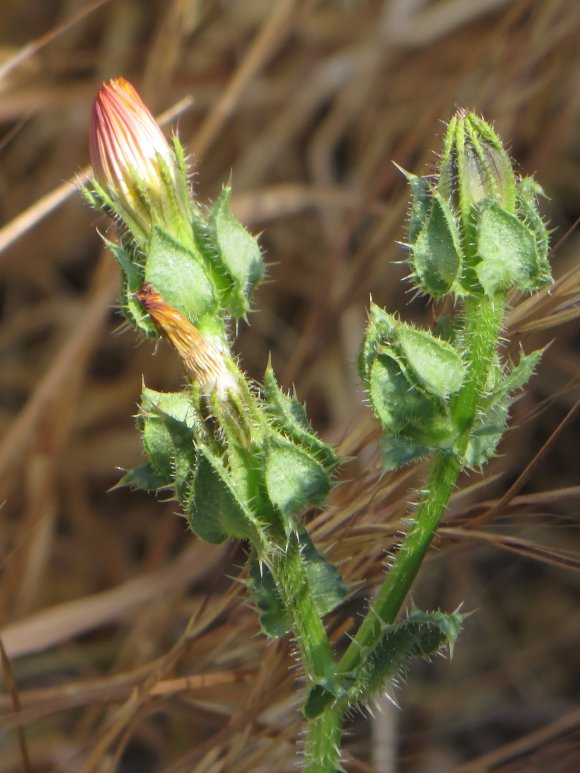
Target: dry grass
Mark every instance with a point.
(127, 645)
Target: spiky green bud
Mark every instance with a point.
(476, 228)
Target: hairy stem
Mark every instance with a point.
(323, 740)
(294, 587)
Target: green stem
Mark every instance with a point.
(323, 739)
(483, 321)
(293, 585)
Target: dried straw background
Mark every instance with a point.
(128, 646)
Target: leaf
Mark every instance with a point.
(507, 252)
(421, 634)
(433, 362)
(215, 511)
(294, 479)
(520, 374)
(132, 279)
(238, 252)
(179, 277)
(398, 450)
(274, 620)
(177, 405)
(168, 422)
(143, 478)
(420, 203)
(437, 255)
(289, 418)
(381, 330)
(328, 588)
(396, 402)
(491, 420)
(527, 193)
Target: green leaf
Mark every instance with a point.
(288, 417)
(437, 255)
(420, 203)
(328, 588)
(132, 279)
(527, 194)
(409, 374)
(507, 252)
(381, 329)
(238, 252)
(274, 619)
(421, 634)
(433, 362)
(486, 434)
(491, 421)
(179, 277)
(398, 450)
(396, 402)
(180, 406)
(294, 479)
(215, 511)
(519, 375)
(167, 423)
(143, 478)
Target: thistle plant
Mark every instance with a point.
(241, 458)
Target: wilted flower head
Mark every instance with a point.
(132, 161)
(202, 357)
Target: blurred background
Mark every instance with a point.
(127, 645)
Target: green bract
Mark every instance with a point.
(410, 375)
(437, 252)
(237, 256)
(247, 473)
(328, 588)
(491, 422)
(507, 252)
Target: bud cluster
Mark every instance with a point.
(477, 229)
(243, 462)
(475, 232)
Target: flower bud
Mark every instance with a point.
(201, 356)
(132, 161)
(476, 228)
(475, 166)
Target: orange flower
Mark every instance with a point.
(128, 150)
(202, 358)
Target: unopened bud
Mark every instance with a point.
(132, 161)
(476, 228)
(475, 166)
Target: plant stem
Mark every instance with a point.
(483, 321)
(294, 587)
(323, 738)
